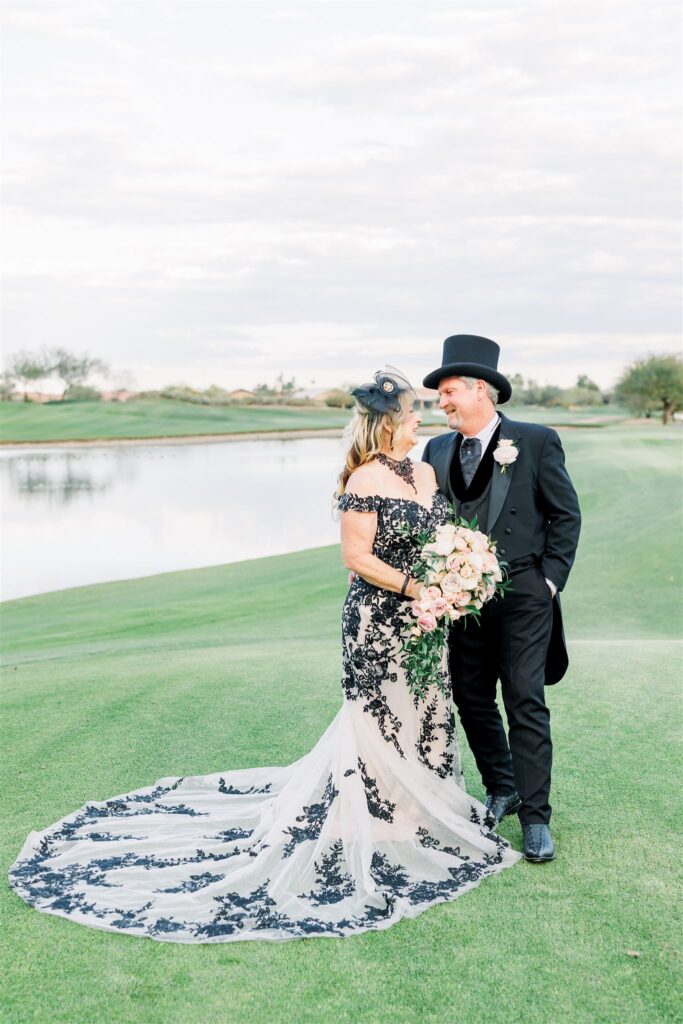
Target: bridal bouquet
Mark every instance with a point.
(460, 572)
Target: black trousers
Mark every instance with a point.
(510, 643)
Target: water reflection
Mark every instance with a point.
(60, 478)
(84, 515)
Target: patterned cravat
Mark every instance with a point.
(470, 454)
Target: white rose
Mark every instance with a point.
(506, 455)
(451, 584)
(445, 536)
(476, 560)
(490, 562)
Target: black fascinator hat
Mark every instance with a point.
(382, 394)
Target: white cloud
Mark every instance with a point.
(190, 187)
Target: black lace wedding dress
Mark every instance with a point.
(371, 826)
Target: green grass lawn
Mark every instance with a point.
(82, 421)
(110, 687)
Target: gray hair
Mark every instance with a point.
(492, 392)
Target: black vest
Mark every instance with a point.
(474, 500)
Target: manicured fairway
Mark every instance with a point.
(108, 688)
(27, 421)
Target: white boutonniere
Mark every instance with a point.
(506, 453)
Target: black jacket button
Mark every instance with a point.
(508, 530)
(502, 550)
(513, 511)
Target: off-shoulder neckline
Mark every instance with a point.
(384, 497)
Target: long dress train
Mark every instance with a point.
(371, 826)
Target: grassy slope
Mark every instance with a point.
(23, 421)
(26, 421)
(108, 688)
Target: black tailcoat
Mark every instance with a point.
(532, 509)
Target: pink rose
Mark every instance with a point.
(440, 607)
(462, 599)
(460, 543)
(451, 584)
(454, 615)
(454, 562)
(427, 622)
(432, 593)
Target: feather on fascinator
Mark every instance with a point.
(382, 394)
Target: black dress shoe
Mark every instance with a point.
(538, 844)
(498, 805)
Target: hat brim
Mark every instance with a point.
(501, 383)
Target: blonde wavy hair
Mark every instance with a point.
(367, 433)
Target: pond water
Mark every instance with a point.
(77, 515)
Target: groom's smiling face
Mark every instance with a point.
(459, 401)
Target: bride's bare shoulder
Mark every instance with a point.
(365, 480)
(424, 472)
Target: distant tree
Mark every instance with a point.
(517, 384)
(568, 398)
(539, 394)
(585, 383)
(282, 391)
(81, 393)
(652, 385)
(286, 387)
(28, 367)
(339, 399)
(7, 384)
(73, 369)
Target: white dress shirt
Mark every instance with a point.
(485, 435)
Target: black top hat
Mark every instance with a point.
(467, 355)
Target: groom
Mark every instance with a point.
(512, 477)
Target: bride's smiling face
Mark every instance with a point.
(406, 437)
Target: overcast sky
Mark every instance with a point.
(216, 192)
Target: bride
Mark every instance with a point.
(371, 826)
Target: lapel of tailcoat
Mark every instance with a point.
(500, 483)
(442, 466)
